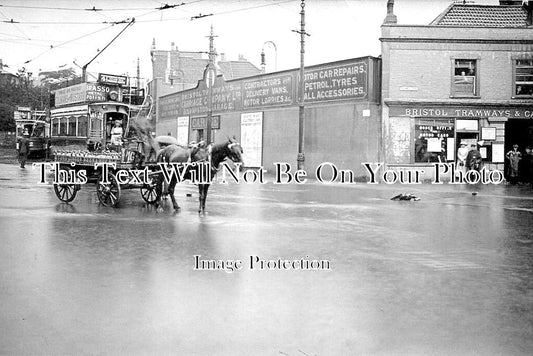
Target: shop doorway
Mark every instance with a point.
(470, 138)
(519, 131)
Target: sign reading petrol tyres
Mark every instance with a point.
(342, 81)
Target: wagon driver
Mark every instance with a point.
(116, 134)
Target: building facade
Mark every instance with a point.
(175, 70)
(342, 114)
(465, 77)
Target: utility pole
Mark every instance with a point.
(210, 78)
(301, 111)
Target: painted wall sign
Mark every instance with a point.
(112, 79)
(346, 81)
(275, 90)
(462, 112)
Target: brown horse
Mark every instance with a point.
(213, 154)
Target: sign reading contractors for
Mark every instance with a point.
(252, 138)
(343, 81)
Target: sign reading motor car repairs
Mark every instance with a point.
(334, 82)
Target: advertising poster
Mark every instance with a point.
(356, 195)
(183, 130)
(252, 138)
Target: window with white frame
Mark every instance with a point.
(464, 77)
(523, 78)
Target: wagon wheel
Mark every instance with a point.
(66, 192)
(108, 193)
(149, 192)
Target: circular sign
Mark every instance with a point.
(210, 76)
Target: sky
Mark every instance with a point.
(50, 35)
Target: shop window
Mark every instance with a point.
(464, 77)
(82, 126)
(523, 79)
(71, 126)
(433, 139)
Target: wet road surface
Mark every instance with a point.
(449, 274)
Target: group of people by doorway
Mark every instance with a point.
(519, 165)
(469, 158)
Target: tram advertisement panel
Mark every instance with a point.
(83, 92)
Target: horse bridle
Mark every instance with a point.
(232, 154)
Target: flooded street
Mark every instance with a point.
(449, 274)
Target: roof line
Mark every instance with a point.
(442, 14)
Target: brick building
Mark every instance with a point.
(465, 77)
(175, 70)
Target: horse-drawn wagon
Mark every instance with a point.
(111, 171)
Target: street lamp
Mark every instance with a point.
(263, 62)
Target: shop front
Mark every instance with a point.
(420, 135)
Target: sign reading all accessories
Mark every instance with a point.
(112, 79)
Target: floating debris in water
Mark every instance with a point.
(409, 197)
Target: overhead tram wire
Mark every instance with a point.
(155, 10)
(66, 42)
(94, 9)
(17, 27)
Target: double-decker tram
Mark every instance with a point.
(84, 114)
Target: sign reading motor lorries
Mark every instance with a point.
(112, 79)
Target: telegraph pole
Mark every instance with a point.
(301, 111)
(210, 81)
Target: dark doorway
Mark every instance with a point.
(519, 131)
(470, 138)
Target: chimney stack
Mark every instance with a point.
(390, 18)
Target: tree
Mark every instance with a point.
(19, 91)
